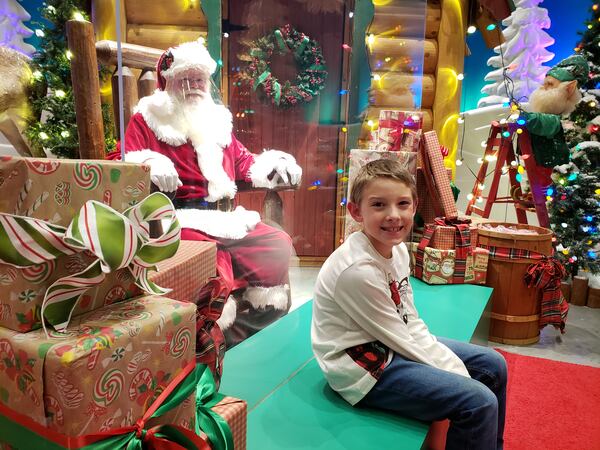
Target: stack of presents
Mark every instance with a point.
(444, 249)
(95, 350)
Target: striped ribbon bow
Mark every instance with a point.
(116, 240)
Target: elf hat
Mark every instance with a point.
(575, 67)
(189, 55)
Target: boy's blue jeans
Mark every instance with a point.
(475, 406)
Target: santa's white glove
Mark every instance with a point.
(162, 170)
(285, 167)
(283, 164)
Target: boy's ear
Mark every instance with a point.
(354, 211)
(571, 87)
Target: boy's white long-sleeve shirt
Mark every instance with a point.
(353, 305)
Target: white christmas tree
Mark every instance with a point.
(12, 29)
(522, 55)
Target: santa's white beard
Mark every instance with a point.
(204, 121)
(555, 100)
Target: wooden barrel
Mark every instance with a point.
(515, 307)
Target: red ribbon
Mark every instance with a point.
(150, 438)
(397, 128)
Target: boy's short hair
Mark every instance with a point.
(381, 168)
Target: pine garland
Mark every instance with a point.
(53, 125)
(310, 63)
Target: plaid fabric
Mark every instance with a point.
(235, 412)
(432, 146)
(444, 237)
(188, 271)
(425, 207)
(371, 356)
(210, 347)
(545, 273)
(512, 253)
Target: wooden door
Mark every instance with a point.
(309, 131)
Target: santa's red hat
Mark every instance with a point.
(189, 55)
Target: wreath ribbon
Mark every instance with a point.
(115, 240)
(283, 48)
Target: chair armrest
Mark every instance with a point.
(245, 186)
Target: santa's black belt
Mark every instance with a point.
(225, 204)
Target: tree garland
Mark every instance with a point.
(309, 61)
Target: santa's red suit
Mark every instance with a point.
(252, 257)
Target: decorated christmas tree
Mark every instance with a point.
(521, 56)
(12, 29)
(574, 200)
(53, 128)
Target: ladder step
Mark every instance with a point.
(478, 210)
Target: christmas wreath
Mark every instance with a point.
(309, 61)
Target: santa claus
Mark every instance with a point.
(185, 136)
(557, 97)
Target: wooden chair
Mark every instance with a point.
(86, 89)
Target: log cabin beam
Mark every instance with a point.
(396, 54)
(86, 89)
(395, 18)
(134, 56)
(163, 37)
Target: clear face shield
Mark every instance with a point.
(193, 86)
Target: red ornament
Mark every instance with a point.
(594, 128)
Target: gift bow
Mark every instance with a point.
(216, 428)
(547, 274)
(115, 240)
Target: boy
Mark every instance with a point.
(372, 346)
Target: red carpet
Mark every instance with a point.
(551, 405)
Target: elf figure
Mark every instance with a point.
(557, 97)
(185, 134)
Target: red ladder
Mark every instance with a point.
(499, 149)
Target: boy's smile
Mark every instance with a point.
(386, 212)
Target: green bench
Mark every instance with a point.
(290, 405)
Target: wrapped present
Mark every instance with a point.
(223, 419)
(187, 273)
(235, 413)
(428, 201)
(102, 257)
(439, 265)
(399, 130)
(152, 430)
(105, 372)
(359, 158)
(439, 174)
(462, 264)
(444, 235)
(188, 270)
(55, 189)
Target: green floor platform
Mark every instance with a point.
(291, 406)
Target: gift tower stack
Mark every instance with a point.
(93, 351)
(447, 252)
